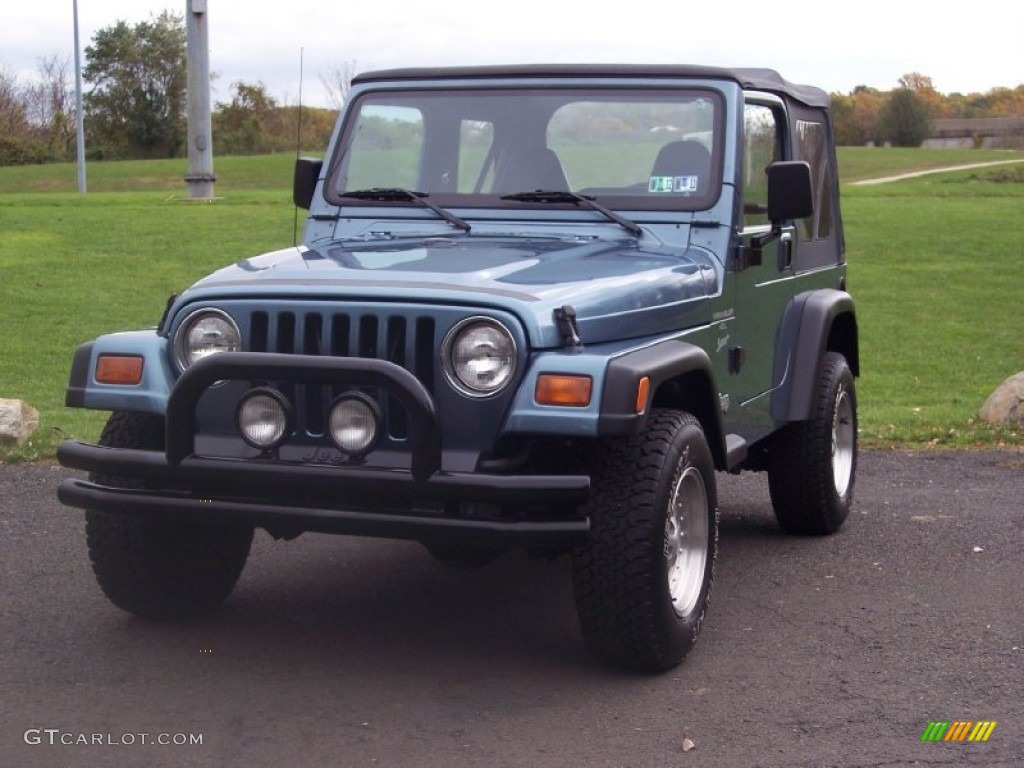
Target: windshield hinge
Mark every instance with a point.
(565, 317)
(746, 256)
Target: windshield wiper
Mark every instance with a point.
(564, 196)
(391, 194)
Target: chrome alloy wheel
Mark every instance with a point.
(686, 540)
(843, 442)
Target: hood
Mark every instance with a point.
(619, 288)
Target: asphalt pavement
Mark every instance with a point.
(836, 651)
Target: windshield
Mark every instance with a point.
(630, 149)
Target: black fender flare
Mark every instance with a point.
(663, 362)
(814, 322)
(78, 378)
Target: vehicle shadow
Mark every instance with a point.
(322, 602)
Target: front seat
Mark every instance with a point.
(687, 163)
(540, 169)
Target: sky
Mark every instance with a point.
(836, 46)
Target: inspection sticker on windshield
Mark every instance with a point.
(676, 184)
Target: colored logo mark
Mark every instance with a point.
(958, 730)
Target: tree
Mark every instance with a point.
(136, 107)
(254, 123)
(856, 116)
(923, 87)
(13, 117)
(242, 126)
(50, 106)
(867, 104)
(338, 81)
(18, 143)
(905, 120)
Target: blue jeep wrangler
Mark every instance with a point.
(534, 306)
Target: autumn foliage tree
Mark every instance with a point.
(13, 121)
(254, 123)
(856, 116)
(242, 126)
(866, 115)
(923, 87)
(37, 117)
(136, 105)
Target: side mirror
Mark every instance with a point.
(790, 195)
(307, 171)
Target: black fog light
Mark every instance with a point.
(354, 423)
(264, 418)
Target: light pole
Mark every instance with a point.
(79, 117)
(200, 176)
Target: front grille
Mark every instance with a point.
(406, 340)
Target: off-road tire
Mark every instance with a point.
(156, 568)
(652, 493)
(812, 465)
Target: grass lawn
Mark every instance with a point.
(856, 163)
(234, 174)
(78, 266)
(937, 269)
(936, 266)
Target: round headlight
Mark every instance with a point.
(205, 332)
(264, 418)
(479, 356)
(354, 423)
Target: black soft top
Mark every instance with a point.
(757, 79)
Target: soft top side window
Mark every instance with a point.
(762, 138)
(810, 144)
(821, 234)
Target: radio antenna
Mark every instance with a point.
(298, 143)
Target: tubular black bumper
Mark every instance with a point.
(421, 502)
(425, 433)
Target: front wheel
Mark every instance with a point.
(643, 581)
(159, 569)
(813, 464)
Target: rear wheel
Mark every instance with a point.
(644, 580)
(813, 464)
(156, 568)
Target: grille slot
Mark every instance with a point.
(400, 339)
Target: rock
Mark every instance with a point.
(1006, 404)
(18, 420)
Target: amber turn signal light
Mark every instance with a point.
(119, 369)
(563, 389)
(643, 389)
